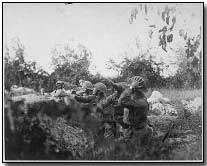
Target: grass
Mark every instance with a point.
(178, 95)
(156, 149)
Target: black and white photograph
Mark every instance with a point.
(102, 82)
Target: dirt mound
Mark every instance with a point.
(68, 138)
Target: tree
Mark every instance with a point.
(71, 62)
(13, 67)
(167, 16)
(190, 72)
(137, 66)
(18, 71)
(174, 23)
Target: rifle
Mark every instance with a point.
(172, 125)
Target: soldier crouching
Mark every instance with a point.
(103, 107)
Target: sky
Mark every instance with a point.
(102, 28)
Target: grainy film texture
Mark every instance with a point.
(103, 81)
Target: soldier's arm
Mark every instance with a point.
(53, 93)
(125, 95)
(126, 101)
(107, 101)
(116, 86)
(85, 99)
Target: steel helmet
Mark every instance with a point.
(59, 83)
(87, 85)
(100, 87)
(137, 82)
(81, 82)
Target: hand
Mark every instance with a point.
(108, 82)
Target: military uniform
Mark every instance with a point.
(60, 92)
(103, 107)
(138, 107)
(85, 89)
(100, 104)
(135, 101)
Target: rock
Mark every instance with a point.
(29, 98)
(189, 139)
(156, 94)
(193, 106)
(17, 91)
(159, 105)
(162, 109)
(162, 121)
(33, 103)
(49, 117)
(196, 103)
(170, 110)
(157, 109)
(157, 97)
(68, 138)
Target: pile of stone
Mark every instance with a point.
(18, 91)
(160, 105)
(68, 138)
(63, 136)
(193, 106)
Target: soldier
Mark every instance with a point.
(87, 89)
(112, 101)
(118, 87)
(121, 113)
(135, 101)
(60, 91)
(81, 82)
(99, 103)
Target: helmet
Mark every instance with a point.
(81, 82)
(137, 82)
(100, 87)
(87, 85)
(59, 83)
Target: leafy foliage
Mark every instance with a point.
(71, 62)
(138, 66)
(167, 16)
(190, 72)
(22, 73)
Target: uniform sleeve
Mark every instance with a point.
(126, 101)
(125, 95)
(108, 101)
(85, 99)
(53, 93)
